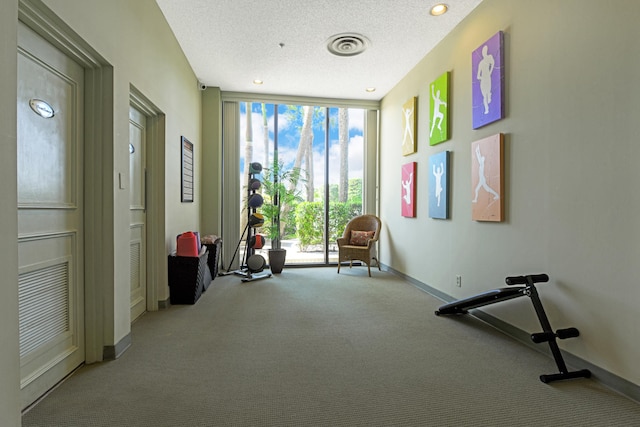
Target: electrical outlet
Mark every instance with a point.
(459, 281)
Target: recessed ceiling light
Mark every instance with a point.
(439, 9)
(370, 89)
(257, 82)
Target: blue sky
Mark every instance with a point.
(289, 138)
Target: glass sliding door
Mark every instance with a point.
(301, 146)
(345, 172)
(314, 156)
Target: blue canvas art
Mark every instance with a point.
(439, 185)
(487, 81)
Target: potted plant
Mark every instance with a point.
(280, 192)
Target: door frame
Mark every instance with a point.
(154, 203)
(98, 167)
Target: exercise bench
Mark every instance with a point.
(524, 286)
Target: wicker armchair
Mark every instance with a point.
(358, 242)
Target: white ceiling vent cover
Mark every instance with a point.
(347, 44)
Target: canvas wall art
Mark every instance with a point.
(408, 190)
(439, 185)
(439, 110)
(409, 126)
(487, 81)
(487, 182)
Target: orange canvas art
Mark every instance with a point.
(487, 184)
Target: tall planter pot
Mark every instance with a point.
(277, 258)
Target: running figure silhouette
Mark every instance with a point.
(482, 180)
(485, 68)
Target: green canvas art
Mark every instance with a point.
(439, 109)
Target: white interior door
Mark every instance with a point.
(137, 206)
(50, 214)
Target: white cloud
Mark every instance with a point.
(356, 119)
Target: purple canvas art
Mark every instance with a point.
(487, 81)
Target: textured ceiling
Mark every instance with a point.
(229, 43)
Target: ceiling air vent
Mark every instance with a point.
(347, 44)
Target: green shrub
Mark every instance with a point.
(310, 221)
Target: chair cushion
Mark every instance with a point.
(360, 238)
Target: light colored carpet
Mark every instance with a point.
(310, 347)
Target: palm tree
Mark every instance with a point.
(305, 148)
(265, 133)
(343, 139)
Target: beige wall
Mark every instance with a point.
(571, 131)
(9, 360)
(134, 38)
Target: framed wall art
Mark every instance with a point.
(487, 182)
(487, 81)
(409, 126)
(439, 185)
(408, 190)
(439, 110)
(186, 167)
